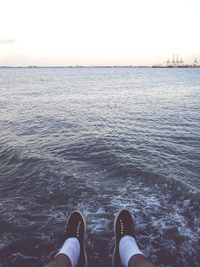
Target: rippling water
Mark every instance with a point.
(97, 140)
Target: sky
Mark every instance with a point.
(98, 32)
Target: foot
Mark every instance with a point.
(123, 225)
(76, 227)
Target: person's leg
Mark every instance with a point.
(60, 261)
(72, 252)
(139, 261)
(126, 252)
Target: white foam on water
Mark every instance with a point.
(157, 216)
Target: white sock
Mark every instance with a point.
(128, 248)
(71, 248)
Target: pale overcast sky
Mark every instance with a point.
(98, 32)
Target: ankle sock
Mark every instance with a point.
(128, 248)
(71, 248)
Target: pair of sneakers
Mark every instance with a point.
(76, 227)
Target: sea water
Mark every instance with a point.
(98, 140)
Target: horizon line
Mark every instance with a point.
(77, 66)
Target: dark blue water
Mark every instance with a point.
(97, 140)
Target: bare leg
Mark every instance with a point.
(59, 261)
(139, 261)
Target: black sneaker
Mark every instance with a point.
(123, 225)
(76, 227)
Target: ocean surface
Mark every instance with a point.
(98, 140)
